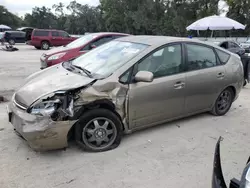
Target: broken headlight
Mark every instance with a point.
(45, 108)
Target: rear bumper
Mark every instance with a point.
(41, 133)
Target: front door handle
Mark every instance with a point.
(220, 75)
(179, 85)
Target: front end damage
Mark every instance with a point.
(47, 122)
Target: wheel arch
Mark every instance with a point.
(103, 103)
(45, 41)
(233, 89)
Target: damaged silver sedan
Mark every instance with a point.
(122, 86)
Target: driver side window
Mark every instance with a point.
(164, 62)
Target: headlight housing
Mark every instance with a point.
(56, 56)
(45, 108)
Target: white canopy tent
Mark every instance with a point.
(4, 27)
(215, 23)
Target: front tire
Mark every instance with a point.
(98, 130)
(223, 102)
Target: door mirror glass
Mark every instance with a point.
(144, 76)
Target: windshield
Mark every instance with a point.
(83, 40)
(107, 58)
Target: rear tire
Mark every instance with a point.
(11, 42)
(45, 45)
(223, 102)
(98, 130)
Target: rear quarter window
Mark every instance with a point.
(41, 33)
(223, 56)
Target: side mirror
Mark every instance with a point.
(144, 76)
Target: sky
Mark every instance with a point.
(21, 7)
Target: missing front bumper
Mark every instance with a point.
(42, 134)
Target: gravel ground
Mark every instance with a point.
(177, 154)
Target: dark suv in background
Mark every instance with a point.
(44, 39)
(13, 37)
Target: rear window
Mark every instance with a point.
(223, 56)
(41, 33)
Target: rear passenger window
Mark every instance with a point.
(200, 57)
(223, 56)
(41, 33)
(55, 34)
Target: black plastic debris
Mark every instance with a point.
(10, 48)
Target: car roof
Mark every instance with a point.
(152, 40)
(47, 30)
(108, 33)
(14, 32)
(21, 28)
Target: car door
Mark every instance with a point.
(205, 77)
(163, 98)
(56, 39)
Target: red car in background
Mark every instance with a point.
(77, 48)
(45, 38)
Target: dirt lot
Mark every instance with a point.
(178, 154)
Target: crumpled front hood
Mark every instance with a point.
(48, 81)
(57, 50)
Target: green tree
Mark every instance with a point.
(240, 11)
(7, 18)
(61, 18)
(41, 17)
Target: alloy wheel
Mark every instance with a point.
(45, 46)
(224, 101)
(99, 133)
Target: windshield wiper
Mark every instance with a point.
(88, 73)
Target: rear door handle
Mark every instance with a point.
(220, 75)
(179, 85)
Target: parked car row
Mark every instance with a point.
(123, 85)
(39, 38)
